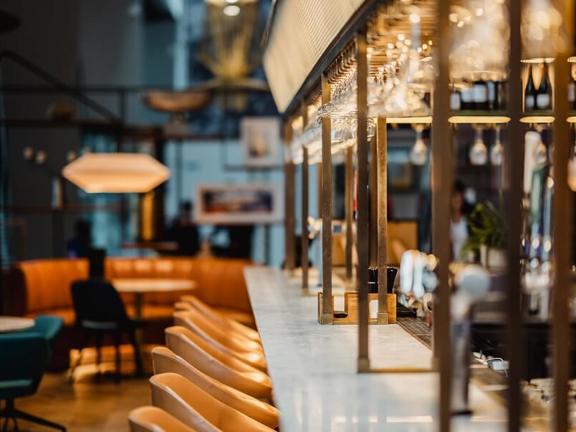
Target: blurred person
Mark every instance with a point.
(184, 231)
(459, 209)
(80, 245)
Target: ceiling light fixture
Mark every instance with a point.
(116, 173)
(231, 10)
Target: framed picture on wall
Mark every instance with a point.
(238, 204)
(260, 140)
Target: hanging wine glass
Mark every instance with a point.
(497, 151)
(419, 151)
(478, 151)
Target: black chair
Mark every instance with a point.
(100, 312)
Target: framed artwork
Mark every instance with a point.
(260, 140)
(238, 204)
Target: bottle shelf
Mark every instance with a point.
(409, 120)
(479, 118)
(537, 119)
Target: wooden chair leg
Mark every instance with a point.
(98, 354)
(78, 362)
(117, 357)
(137, 353)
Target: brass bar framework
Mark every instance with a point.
(289, 205)
(305, 244)
(305, 211)
(327, 316)
(363, 217)
(349, 206)
(442, 174)
(514, 153)
(562, 232)
(382, 217)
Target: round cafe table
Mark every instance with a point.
(12, 323)
(141, 286)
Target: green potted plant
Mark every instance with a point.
(487, 235)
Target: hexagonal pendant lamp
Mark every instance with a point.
(116, 173)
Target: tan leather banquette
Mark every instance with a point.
(43, 286)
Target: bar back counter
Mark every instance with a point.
(313, 369)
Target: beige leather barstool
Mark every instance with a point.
(154, 419)
(253, 358)
(232, 340)
(195, 407)
(224, 368)
(217, 318)
(165, 361)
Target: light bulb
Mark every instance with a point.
(231, 10)
(497, 151)
(478, 152)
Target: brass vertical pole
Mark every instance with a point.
(288, 204)
(442, 174)
(561, 232)
(514, 152)
(374, 190)
(382, 213)
(305, 204)
(363, 218)
(327, 316)
(349, 206)
(305, 243)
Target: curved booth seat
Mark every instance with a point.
(217, 364)
(198, 409)
(43, 287)
(154, 419)
(190, 302)
(165, 361)
(225, 345)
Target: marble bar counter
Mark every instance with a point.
(313, 369)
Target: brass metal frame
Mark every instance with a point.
(305, 246)
(562, 233)
(513, 190)
(442, 173)
(349, 209)
(362, 196)
(327, 312)
(289, 197)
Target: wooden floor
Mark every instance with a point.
(85, 406)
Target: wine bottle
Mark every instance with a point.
(455, 101)
(544, 93)
(466, 102)
(480, 95)
(529, 92)
(492, 95)
(501, 95)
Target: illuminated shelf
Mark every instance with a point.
(409, 120)
(539, 60)
(537, 119)
(571, 119)
(479, 119)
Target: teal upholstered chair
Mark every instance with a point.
(25, 355)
